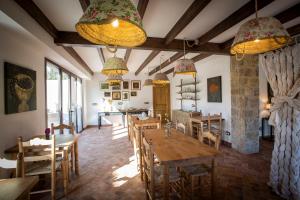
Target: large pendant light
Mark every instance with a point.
(259, 35)
(115, 66)
(185, 66)
(160, 78)
(114, 79)
(112, 22)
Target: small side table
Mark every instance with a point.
(265, 120)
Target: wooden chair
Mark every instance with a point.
(159, 116)
(193, 173)
(40, 159)
(13, 164)
(153, 176)
(181, 127)
(130, 128)
(215, 126)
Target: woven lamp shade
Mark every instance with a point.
(114, 65)
(259, 35)
(148, 82)
(113, 79)
(96, 25)
(160, 79)
(186, 67)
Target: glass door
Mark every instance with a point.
(73, 102)
(53, 94)
(65, 98)
(79, 105)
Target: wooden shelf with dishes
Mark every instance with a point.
(191, 89)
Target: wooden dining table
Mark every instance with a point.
(178, 150)
(61, 141)
(140, 125)
(17, 188)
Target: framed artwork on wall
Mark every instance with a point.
(136, 85)
(126, 84)
(104, 86)
(20, 89)
(133, 93)
(116, 86)
(214, 89)
(116, 95)
(125, 96)
(107, 94)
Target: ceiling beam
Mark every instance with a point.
(147, 61)
(84, 4)
(173, 58)
(294, 30)
(101, 55)
(195, 8)
(171, 70)
(127, 54)
(242, 13)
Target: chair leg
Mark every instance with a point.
(72, 158)
(53, 184)
(65, 167)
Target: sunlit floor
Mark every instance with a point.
(108, 171)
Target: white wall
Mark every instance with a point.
(96, 102)
(210, 67)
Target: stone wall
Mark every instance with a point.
(245, 104)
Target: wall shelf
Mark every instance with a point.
(188, 99)
(193, 91)
(187, 84)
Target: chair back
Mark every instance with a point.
(181, 127)
(215, 123)
(13, 164)
(212, 138)
(148, 161)
(62, 128)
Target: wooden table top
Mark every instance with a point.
(150, 121)
(61, 140)
(178, 147)
(16, 188)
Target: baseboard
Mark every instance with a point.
(226, 144)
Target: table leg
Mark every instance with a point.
(166, 182)
(76, 158)
(140, 153)
(191, 128)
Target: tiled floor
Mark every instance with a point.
(108, 170)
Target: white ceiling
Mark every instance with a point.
(159, 18)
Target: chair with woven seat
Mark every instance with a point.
(215, 126)
(40, 159)
(193, 173)
(153, 175)
(13, 164)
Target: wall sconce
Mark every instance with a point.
(267, 106)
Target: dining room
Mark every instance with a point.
(122, 99)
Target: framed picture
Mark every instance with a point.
(136, 85)
(126, 85)
(20, 89)
(214, 89)
(116, 86)
(116, 95)
(125, 96)
(104, 86)
(133, 93)
(107, 94)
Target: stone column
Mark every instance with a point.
(245, 104)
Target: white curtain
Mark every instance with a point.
(282, 69)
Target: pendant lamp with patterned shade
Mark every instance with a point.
(259, 35)
(115, 66)
(160, 78)
(185, 66)
(112, 22)
(113, 79)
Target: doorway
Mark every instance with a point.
(161, 101)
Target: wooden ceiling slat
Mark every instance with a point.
(195, 8)
(172, 59)
(127, 54)
(101, 55)
(147, 61)
(242, 13)
(294, 30)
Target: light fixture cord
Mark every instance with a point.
(183, 48)
(256, 15)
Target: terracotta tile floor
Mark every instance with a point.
(108, 171)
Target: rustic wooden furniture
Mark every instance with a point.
(17, 188)
(215, 125)
(205, 119)
(40, 158)
(139, 126)
(13, 164)
(178, 150)
(184, 117)
(181, 127)
(120, 112)
(187, 89)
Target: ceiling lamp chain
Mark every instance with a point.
(112, 22)
(259, 35)
(160, 78)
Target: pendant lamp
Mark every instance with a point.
(114, 79)
(114, 66)
(259, 35)
(148, 82)
(185, 66)
(112, 22)
(160, 78)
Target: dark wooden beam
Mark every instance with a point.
(242, 13)
(127, 54)
(172, 59)
(171, 70)
(294, 30)
(195, 8)
(147, 61)
(75, 55)
(35, 12)
(101, 55)
(84, 4)
(73, 39)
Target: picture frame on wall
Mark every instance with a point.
(135, 85)
(125, 96)
(104, 86)
(19, 89)
(126, 84)
(214, 89)
(107, 94)
(116, 86)
(133, 93)
(116, 95)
